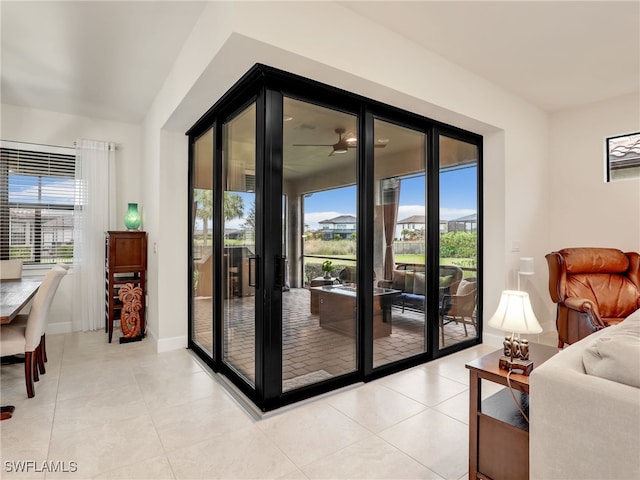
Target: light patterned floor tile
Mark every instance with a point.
(423, 386)
(434, 439)
(124, 411)
(375, 407)
(100, 449)
(157, 468)
(371, 458)
(241, 454)
(311, 432)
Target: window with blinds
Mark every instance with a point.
(36, 205)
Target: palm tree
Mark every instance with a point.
(233, 206)
(204, 209)
(249, 224)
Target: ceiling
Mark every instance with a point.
(109, 59)
(555, 54)
(97, 59)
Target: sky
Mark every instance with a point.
(457, 191)
(457, 198)
(55, 191)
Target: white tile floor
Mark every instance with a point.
(123, 411)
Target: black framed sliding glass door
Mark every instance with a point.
(238, 296)
(399, 296)
(319, 306)
(458, 159)
(325, 238)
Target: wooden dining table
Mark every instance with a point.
(14, 296)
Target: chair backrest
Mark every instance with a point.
(39, 312)
(605, 276)
(10, 269)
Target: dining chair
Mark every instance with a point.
(10, 269)
(21, 319)
(18, 339)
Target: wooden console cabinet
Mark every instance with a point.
(125, 262)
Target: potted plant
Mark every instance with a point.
(327, 268)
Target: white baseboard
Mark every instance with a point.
(168, 344)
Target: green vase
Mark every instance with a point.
(132, 218)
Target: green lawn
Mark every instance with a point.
(415, 259)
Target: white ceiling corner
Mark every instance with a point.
(109, 59)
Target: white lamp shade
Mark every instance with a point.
(515, 314)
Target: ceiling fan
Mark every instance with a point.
(342, 145)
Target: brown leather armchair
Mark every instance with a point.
(594, 288)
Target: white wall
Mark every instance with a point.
(527, 154)
(584, 210)
(51, 128)
(230, 38)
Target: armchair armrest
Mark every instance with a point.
(577, 318)
(586, 310)
(580, 304)
(385, 283)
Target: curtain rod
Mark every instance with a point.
(39, 144)
(112, 146)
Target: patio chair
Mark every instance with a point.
(459, 308)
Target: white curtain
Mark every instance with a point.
(94, 215)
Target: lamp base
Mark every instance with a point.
(526, 366)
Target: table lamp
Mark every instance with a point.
(515, 315)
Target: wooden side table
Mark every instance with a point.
(498, 434)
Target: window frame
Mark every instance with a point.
(632, 162)
(41, 161)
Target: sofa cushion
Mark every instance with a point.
(399, 279)
(615, 354)
(408, 281)
(465, 287)
(414, 300)
(419, 287)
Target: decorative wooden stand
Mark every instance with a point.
(126, 286)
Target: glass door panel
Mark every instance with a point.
(238, 203)
(399, 314)
(458, 240)
(202, 241)
(319, 331)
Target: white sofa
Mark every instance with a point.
(587, 425)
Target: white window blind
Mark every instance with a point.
(37, 190)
